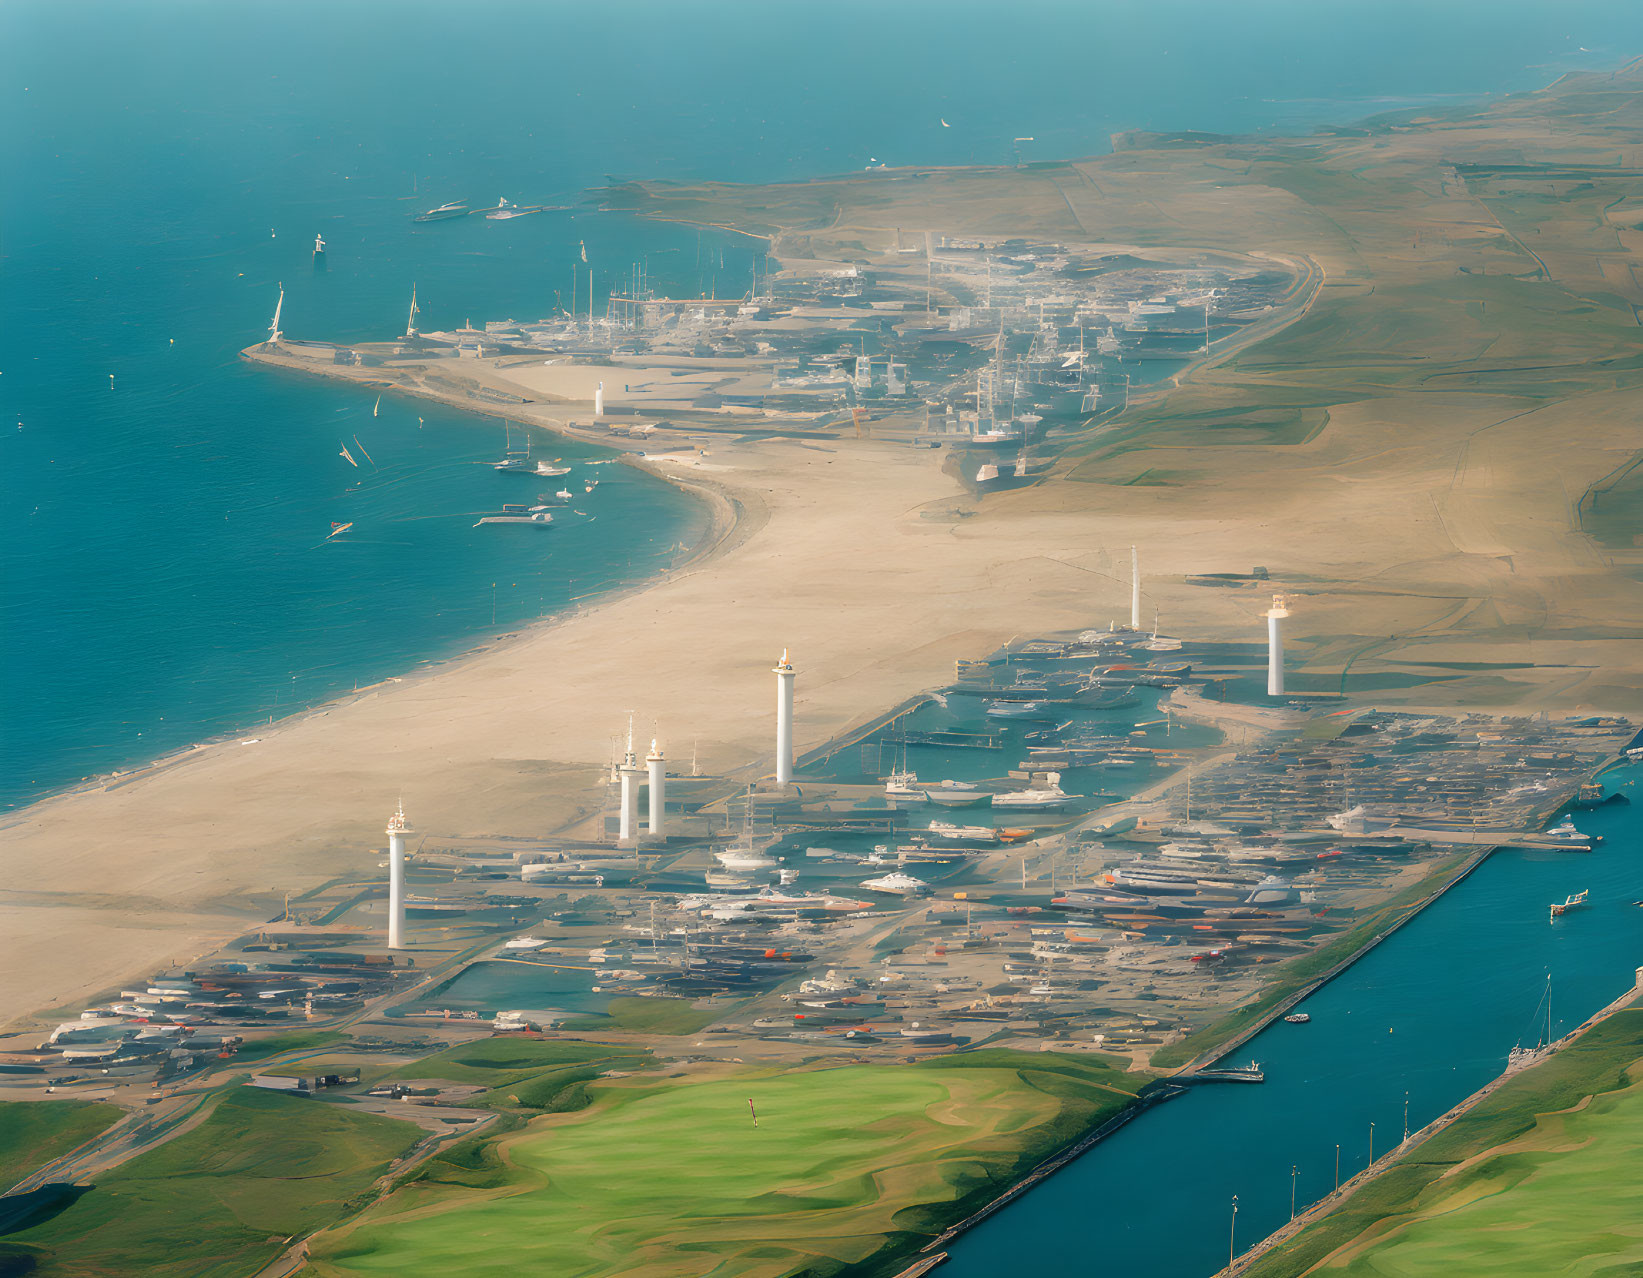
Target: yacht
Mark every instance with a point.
(536, 516)
(1051, 795)
(524, 944)
(457, 208)
(1565, 835)
(319, 246)
(745, 858)
(1251, 1073)
(548, 469)
(898, 884)
(956, 794)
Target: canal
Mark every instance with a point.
(1420, 1022)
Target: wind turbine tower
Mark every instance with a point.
(1275, 646)
(630, 772)
(785, 675)
(658, 790)
(398, 827)
(1135, 589)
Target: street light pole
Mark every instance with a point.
(1406, 1118)
(1372, 1143)
(1232, 1237)
(1337, 1169)
(1293, 1168)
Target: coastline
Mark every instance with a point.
(212, 838)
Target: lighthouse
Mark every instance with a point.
(1135, 589)
(784, 673)
(658, 786)
(398, 827)
(1275, 646)
(629, 772)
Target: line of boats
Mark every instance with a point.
(903, 787)
(519, 462)
(503, 210)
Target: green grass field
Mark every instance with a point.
(292, 1041)
(218, 1201)
(32, 1133)
(1539, 1179)
(648, 1016)
(847, 1167)
(527, 1074)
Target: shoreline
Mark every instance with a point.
(727, 514)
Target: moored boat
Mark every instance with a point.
(536, 516)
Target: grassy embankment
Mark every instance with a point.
(218, 1201)
(849, 1168)
(1539, 1179)
(294, 1041)
(32, 1133)
(648, 1016)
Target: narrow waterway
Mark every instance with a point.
(1427, 1016)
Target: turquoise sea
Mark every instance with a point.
(167, 165)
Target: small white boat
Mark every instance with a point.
(550, 468)
(319, 246)
(523, 944)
